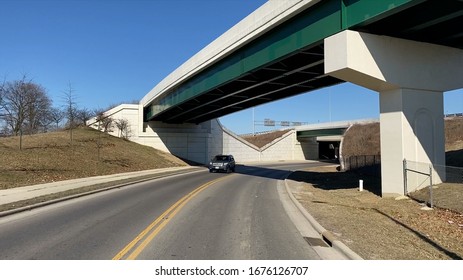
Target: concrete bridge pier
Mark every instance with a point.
(410, 77)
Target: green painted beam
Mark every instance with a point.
(321, 132)
(307, 29)
(362, 12)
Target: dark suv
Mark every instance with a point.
(222, 163)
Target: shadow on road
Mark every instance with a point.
(338, 180)
(323, 179)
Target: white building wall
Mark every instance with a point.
(289, 148)
(188, 141)
(280, 149)
(129, 112)
(241, 150)
(199, 143)
(215, 141)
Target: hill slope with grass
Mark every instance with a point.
(50, 157)
(364, 139)
(260, 140)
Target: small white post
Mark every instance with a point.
(360, 185)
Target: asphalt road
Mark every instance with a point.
(192, 216)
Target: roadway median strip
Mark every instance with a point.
(137, 245)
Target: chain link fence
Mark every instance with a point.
(452, 174)
(357, 162)
(419, 175)
(420, 179)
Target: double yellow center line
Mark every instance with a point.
(137, 245)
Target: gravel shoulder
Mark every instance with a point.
(378, 228)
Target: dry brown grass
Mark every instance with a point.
(361, 139)
(261, 140)
(453, 133)
(445, 196)
(454, 141)
(375, 227)
(364, 139)
(50, 157)
(384, 228)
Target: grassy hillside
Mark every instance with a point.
(260, 140)
(365, 140)
(362, 139)
(50, 157)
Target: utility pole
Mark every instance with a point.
(329, 101)
(253, 123)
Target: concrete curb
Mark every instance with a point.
(69, 197)
(328, 236)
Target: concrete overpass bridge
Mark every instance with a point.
(410, 51)
(279, 51)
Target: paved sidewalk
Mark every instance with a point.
(23, 193)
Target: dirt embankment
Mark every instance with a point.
(375, 227)
(260, 140)
(364, 139)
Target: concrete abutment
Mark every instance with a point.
(200, 142)
(410, 78)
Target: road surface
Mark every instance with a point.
(199, 215)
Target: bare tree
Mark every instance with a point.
(24, 105)
(14, 102)
(70, 108)
(83, 115)
(38, 109)
(105, 123)
(2, 110)
(56, 116)
(124, 128)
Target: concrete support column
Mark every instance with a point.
(410, 78)
(412, 128)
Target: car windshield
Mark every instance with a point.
(221, 158)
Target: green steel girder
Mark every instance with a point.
(321, 132)
(363, 12)
(308, 28)
(267, 68)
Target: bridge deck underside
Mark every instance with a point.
(432, 21)
(295, 74)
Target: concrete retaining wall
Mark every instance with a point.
(201, 142)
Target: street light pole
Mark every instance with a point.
(253, 123)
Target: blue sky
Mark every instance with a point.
(116, 51)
